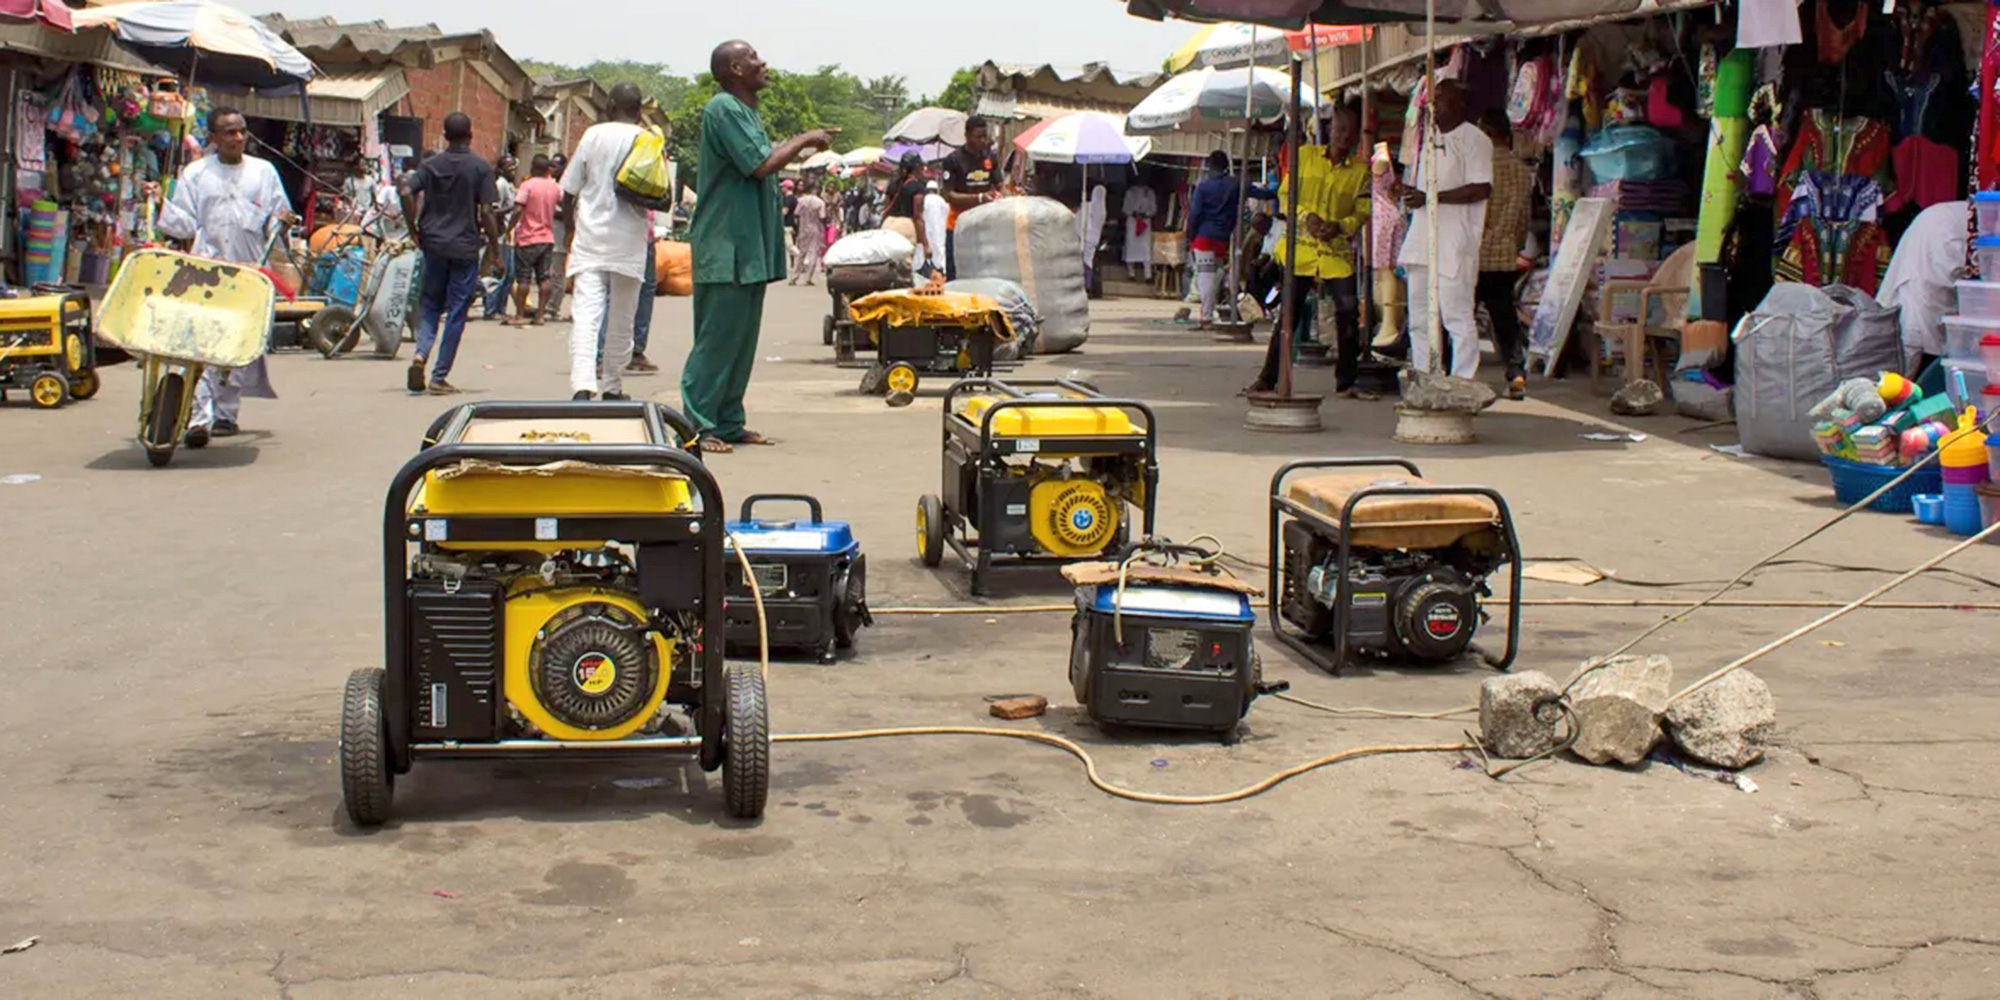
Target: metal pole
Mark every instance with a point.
(1425, 137)
(1364, 271)
(1289, 310)
(1242, 182)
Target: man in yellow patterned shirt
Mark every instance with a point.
(1333, 204)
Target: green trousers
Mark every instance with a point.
(727, 319)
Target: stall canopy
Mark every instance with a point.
(53, 13)
(345, 99)
(204, 42)
(1296, 13)
(91, 48)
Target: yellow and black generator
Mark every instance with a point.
(926, 331)
(553, 587)
(47, 349)
(1046, 470)
(1370, 559)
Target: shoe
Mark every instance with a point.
(223, 429)
(614, 396)
(582, 396)
(443, 388)
(197, 437)
(415, 379)
(1517, 387)
(640, 364)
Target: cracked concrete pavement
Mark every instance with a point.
(181, 636)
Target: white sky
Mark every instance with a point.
(924, 41)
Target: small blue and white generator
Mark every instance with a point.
(1172, 656)
(812, 575)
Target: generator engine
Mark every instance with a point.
(1401, 605)
(548, 646)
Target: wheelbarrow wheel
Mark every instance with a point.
(163, 424)
(930, 530)
(48, 390)
(84, 384)
(333, 331)
(746, 738)
(365, 782)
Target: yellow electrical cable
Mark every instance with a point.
(1074, 749)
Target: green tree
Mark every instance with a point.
(958, 95)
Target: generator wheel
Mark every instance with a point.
(162, 430)
(853, 610)
(746, 742)
(48, 390)
(826, 331)
(1079, 661)
(365, 781)
(930, 530)
(84, 384)
(901, 377)
(873, 380)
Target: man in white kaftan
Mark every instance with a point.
(1462, 155)
(222, 206)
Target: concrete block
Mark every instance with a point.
(1618, 707)
(1507, 722)
(1426, 391)
(1725, 724)
(1019, 708)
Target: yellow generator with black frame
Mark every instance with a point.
(553, 587)
(1038, 470)
(47, 349)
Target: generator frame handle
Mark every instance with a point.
(707, 533)
(1282, 506)
(659, 417)
(751, 501)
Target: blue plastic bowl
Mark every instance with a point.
(1929, 508)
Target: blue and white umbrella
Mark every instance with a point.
(202, 41)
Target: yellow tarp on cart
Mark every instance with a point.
(913, 307)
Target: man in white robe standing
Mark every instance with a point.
(1462, 155)
(222, 207)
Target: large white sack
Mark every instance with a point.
(1032, 242)
(873, 246)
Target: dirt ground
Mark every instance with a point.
(170, 825)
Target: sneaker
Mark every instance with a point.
(197, 437)
(1517, 387)
(640, 364)
(582, 396)
(415, 379)
(615, 396)
(224, 428)
(443, 388)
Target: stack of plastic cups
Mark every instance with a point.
(1963, 455)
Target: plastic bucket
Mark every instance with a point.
(1962, 514)
(1928, 507)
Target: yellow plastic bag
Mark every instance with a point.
(643, 179)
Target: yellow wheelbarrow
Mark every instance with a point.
(180, 314)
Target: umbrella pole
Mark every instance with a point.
(1242, 184)
(1289, 310)
(1433, 318)
(1364, 256)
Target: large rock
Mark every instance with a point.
(1726, 723)
(1618, 704)
(1638, 399)
(1425, 391)
(1507, 721)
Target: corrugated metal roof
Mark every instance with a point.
(347, 99)
(1086, 73)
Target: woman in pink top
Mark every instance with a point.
(535, 241)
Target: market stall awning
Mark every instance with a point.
(53, 13)
(345, 99)
(57, 47)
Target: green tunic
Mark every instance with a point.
(739, 248)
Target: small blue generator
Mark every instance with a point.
(812, 575)
(1165, 656)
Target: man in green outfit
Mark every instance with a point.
(739, 245)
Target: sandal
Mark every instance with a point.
(1253, 387)
(713, 445)
(754, 438)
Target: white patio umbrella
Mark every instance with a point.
(1233, 43)
(928, 125)
(1084, 137)
(1217, 94)
(820, 161)
(863, 157)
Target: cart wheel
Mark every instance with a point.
(873, 380)
(365, 781)
(930, 530)
(901, 382)
(83, 384)
(48, 390)
(746, 740)
(162, 429)
(333, 331)
(826, 331)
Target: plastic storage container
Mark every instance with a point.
(1971, 375)
(1986, 253)
(1980, 298)
(1989, 353)
(1962, 335)
(1986, 206)
(1989, 509)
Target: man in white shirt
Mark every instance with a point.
(1462, 155)
(937, 217)
(607, 251)
(223, 206)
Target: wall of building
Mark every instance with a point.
(457, 85)
(576, 121)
